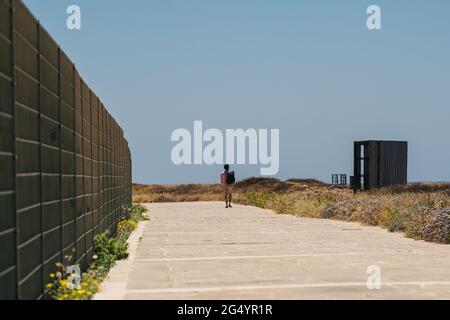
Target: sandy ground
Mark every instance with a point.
(203, 251)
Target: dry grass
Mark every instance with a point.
(213, 192)
(421, 211)
(176, 193)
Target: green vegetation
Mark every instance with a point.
(108, 249)
(258, 199)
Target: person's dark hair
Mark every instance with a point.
(226, 167)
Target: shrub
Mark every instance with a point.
(108, 249)
(257, 198)
(418, 218)
(126, 226)
(438, 229)
(63, 286)
(397, 221)
(302, 205)
(137, 213)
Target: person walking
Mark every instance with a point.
(227, 179)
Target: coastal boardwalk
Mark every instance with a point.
(203, 251)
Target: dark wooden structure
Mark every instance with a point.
(379, 164)
(339, 179)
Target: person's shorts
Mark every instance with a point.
(226, 189)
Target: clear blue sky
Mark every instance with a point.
(310, 68)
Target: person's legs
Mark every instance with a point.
(229, 197)
(225, 195)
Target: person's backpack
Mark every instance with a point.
(231, 179)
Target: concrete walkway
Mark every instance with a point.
(204, 251)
